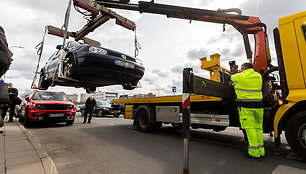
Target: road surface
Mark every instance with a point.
(112, 146)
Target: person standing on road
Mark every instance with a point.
(89, 107)
(13, 93)
(248, 86)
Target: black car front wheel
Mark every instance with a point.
(69, 70)
(101, 113)
(83, 112)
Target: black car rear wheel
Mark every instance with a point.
(42, 83)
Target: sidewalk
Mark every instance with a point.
(21, 153)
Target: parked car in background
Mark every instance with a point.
(92, 66)
(79, 105)
(47, 106)
(102, 108)
(118, 109)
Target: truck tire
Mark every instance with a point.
(145, 119)
(296, 134)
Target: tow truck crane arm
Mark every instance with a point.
(244, 24)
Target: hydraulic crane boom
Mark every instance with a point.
(244, 24)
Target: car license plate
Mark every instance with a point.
(56, 115)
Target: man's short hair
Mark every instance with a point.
(248, 65)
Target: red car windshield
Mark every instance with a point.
(50, 96)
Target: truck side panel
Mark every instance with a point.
(300, 23)
(291, 54)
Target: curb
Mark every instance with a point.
(46, 161)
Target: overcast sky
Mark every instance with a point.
(167, 45)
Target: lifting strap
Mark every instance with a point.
(39, 48)
(64, 30)
(137, 45)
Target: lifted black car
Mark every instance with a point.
(91, 67)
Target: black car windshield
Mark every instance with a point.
(102, 103)
(50, 96)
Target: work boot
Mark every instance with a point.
(246, 154)
(10, 121)
(84, 121)
(89, 121)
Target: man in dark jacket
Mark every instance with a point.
(89, 107)
(13, 93)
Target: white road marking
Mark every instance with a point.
(282, 169)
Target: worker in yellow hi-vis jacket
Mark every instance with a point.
(248, 86)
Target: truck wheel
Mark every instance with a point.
(69, 122)
(296, 134)
(144, 114)
(101, 113)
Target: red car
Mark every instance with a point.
(47, 106)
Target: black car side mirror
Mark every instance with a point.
(58, 47)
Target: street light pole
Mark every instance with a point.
(14, 46)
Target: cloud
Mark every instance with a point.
(197, 53)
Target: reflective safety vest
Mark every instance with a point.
(1, 80)
(248, 85)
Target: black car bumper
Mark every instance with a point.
(110, 69)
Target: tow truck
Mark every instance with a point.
(212, 102)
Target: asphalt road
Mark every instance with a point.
(112, 146)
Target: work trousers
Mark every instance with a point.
(90, 114)
(12, 111)
(251, 120)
